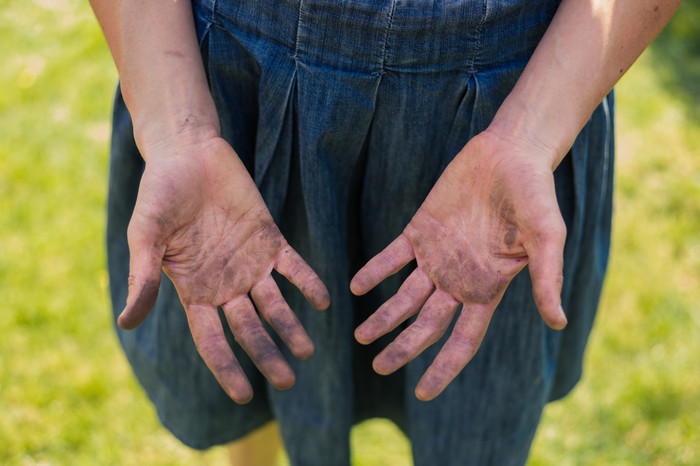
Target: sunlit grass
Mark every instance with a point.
(639, 402)
(67, 395)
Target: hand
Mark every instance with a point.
(200, 217)
(492, 211)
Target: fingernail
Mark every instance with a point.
(564, 320)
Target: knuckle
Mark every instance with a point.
(464, 345)
(296, 268)
(310, 284)
(440, 374)
(428, 330)
(411, 294)
(559, 228)
(551, 229)
(555, 228)
(209, 345)
(216, 357)
(383, 321)
(389, 260)
(265, 354)
(226, 368)
(250, 332)
(422, 334)
(276, 308)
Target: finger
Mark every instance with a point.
(546, 271)
(412, 295)
(276, 312)
(208, 334)
(291, 265)
(430, 325)
(458, 350)
(392, 259)
(251, 335)
(145, 264)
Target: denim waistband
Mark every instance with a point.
(370, 36)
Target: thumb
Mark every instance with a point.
(145, 264)
(546, 264)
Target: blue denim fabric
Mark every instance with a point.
(345, 113)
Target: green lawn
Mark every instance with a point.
(67, 395)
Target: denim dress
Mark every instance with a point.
(345, 112)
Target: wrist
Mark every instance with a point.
(187, 131)
(527, 131)
(174, 120)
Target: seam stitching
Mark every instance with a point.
(389, 25)
(295, 56)
(479, 43)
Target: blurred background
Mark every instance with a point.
(67, 395)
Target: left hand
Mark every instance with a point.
(200, 218)
(493, 211)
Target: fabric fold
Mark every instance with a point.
(345, 113)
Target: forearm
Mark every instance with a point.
(155, 49)
(586, 49)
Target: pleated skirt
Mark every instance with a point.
(345, 112)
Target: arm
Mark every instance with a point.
(587, 48)
(154, 46)
(198, 215)
(494, 209)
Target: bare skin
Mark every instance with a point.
(199, 217)
(468, 248)
(494, 209)
(259, 448)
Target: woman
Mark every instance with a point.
(367, 134)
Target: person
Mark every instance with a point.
(418, 155)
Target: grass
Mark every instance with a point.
(67, 395)
(639, 402)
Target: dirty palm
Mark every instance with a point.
(467, 249)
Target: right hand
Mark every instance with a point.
(200, 218)
(492, 211)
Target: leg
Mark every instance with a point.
(258, 448)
